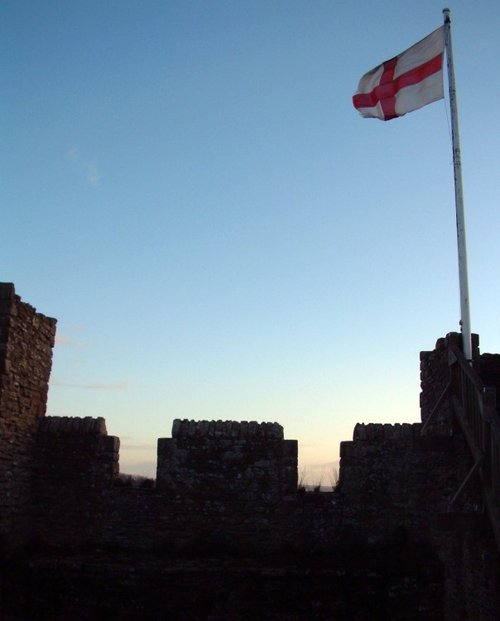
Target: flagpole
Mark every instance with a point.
(459, 198)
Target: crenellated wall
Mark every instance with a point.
(226, 459)
(224, 528)
(398, 476)
(75, 462)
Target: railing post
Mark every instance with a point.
(495, 463)
(488, 415)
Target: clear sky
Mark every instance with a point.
(187, 188)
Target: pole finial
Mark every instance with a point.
(447, 16)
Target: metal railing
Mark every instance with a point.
(474, 406)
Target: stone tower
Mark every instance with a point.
(26, 342)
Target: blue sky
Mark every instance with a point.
(188, 190)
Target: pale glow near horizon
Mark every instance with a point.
(218, 232)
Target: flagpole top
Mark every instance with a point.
(447, 16)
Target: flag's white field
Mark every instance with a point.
(405, 83)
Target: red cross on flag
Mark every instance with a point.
(405, 83)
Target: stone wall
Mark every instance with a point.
(75, 463)
(434, 377)
(224, 529)
(227, 460)
(400, 581)
(26, 341)
(198, 499)
(398, 476)
(392, 476)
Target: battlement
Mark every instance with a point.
(378, 431)
(229, 489)
(226, 429)
(87, 426)
(227, 459)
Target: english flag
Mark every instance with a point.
(404, 83)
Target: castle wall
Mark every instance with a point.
(26, 341)
(214, 506)
(398, 582)
(75, 464)
(407, 476)
(396, 476)
(225, 510)
(227, 460)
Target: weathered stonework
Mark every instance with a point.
(26, 341)
(224, 534)
(226, 459)
(75, 455)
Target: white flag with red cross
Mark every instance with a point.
(404, 83)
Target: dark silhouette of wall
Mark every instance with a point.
(227, 460)
(224, 533)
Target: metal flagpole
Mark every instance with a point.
(459, 199)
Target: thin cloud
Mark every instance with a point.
(136, 447)
(85, 168)
(72, 154)
(143, 468)
(99, 386)
(124, 385)
(92, 175)
(63, 340)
